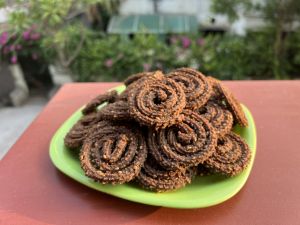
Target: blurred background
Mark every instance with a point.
(47, 43)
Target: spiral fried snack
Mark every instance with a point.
(157, 101)
(116, 111)
(220, 118)
(216, 95)
(196, 88)
(223, 97)
(234, 106)
(80, 130)
(133, 78)
(94, 103)
(231, 157)
(113, 153)
(159, 179)
(134, 82)
(187, 143)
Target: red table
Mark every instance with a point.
(33, 191)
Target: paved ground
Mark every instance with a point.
(14, 121)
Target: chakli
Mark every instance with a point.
(161, 132)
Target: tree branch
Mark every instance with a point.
(69, 61)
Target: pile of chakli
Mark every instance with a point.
(161, 132)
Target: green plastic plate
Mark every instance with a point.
(202, 192)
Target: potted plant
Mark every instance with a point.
(64, 25)
(9, 64)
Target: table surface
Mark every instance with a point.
(33, 191)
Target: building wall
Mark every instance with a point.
(3, 16)
(199, 8)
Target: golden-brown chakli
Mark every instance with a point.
(161, 131)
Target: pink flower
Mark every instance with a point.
(200, 41)
(35, 36)
(34, 56)
(146, 67)
(186, 42)
(3, 38)
(109, 63)
(14, 59)
(26, 35)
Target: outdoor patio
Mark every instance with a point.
(149, 112)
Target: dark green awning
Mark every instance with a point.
(155, 24)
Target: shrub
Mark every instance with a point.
(114, 57)
(110, 58)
